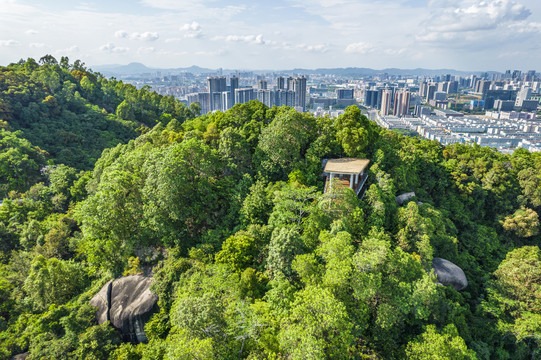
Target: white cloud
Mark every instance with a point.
(169, 4)
(9, 43)
(474, 15)
(200, 8)
(72, 49)
(533, 27)
(31, 32)
(36, 45)
(146, 36)
(172, 40)
(395, 52)
(86, 7)
(121, 34)
(480, 26)
(146, 50)
(192, 30)
(220, 52)
(249, 39)
(359, 48)
(111, 48)
(320, 48)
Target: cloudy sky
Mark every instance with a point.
(277, 34)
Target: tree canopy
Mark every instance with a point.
(250, 257)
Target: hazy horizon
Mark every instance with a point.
(464, 35)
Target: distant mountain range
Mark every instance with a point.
(136, 68)
(139, 69)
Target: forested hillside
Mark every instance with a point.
(250, 259)
(68, 114)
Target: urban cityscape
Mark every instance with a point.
(498, 110)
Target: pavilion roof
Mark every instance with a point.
(346, 165)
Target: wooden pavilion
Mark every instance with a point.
(350, 172)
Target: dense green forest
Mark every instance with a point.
(67, 114)
(250, 259)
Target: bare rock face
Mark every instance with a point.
(401, 199)
(449, 274)
(127, 303)
(21, 356)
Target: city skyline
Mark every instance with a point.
(467, 35)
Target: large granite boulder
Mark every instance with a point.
(20, 356)
(127, 303)
(401, 199)
(449, 274)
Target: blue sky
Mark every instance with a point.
(279, 34)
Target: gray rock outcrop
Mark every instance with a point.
(401, 199)
(20, 356)
(127, 303)
(449, 274)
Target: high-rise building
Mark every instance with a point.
(266, 97)
(243, 95)
(299, 87)
(490, 96)
(234, 84)
(226, 100)
(423, 88)
(216, 84)
(402, 103)
(452, 87)
(371, 98)
(530, 105)
(443, 86)
(284, 98)
(530, 75)
(289, 84)
(421, 110)
(523, 94)
(504, 105)
(202, 98)
(216, 101)
(344, 94)
(280, 83)
(481, 86)
(440, 95)
(386, 96)
(262, 85)
(430, 92)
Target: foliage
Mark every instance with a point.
(251, 258)
(445, 345)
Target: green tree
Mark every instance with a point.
(317, 327)
(439, 345)
(96, 343)
(20, 162)
(53, 281)
(238, 251)
(354, 132)
(285, 244)
(524, 223)
(284, 142)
